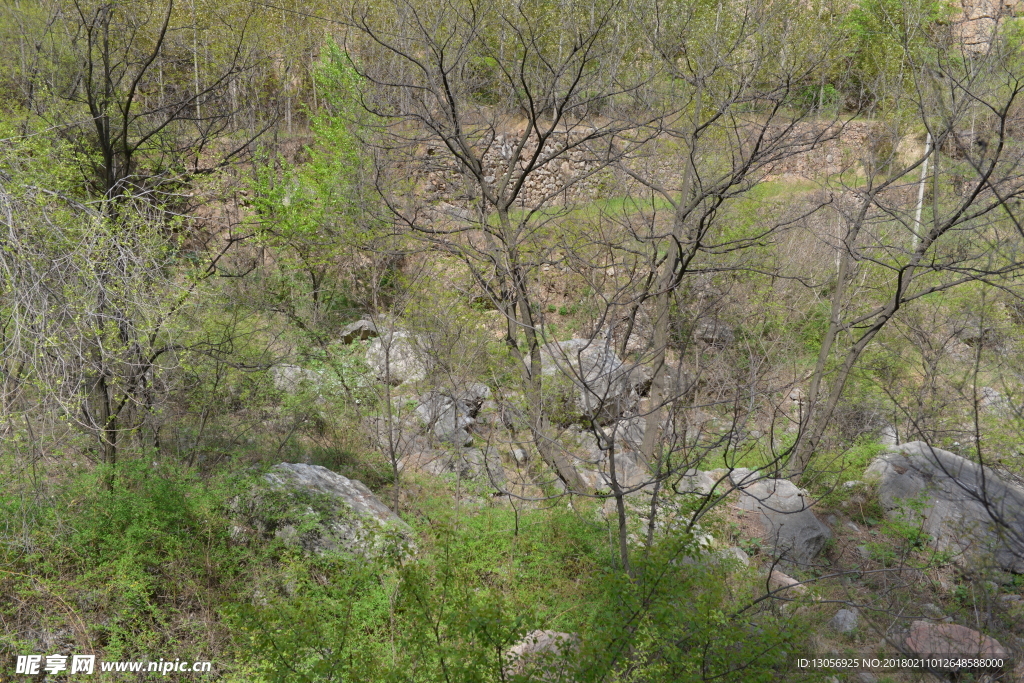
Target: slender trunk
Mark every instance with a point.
(195, 59)
(666, 283)
(620, 508)
(389, 419)
(918, 228)
(519, 319)
(661, 338)
(805, 443)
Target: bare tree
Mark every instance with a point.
(505, 99)
(143, 126)
(889, 255)
(88, 310)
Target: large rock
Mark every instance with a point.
(844, 621)
(395, 358)
(542, 655)
(449, 414)
(703, 483)
(784, 515)
(593, 464)
(291, 378)
(323, 512)
(358, 331)
(966, 510)
(604, 384)
(951, 640)
(714, 333)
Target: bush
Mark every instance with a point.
(146, 561)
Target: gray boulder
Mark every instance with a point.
(702, 483)
(359, 330)
(322, 512)
(472, 398)
(965, 509)
(844, 621)
(483, 464)
(449, 416)
(784, 514)
(933, 612)
(291, 378)
(640, 379)
(442, 416)
(395, 358)
(543, 655)
(734, 554)
(604, 384)
(594, 466)
(630, 433)
(714, 333)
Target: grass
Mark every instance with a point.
(152, 566)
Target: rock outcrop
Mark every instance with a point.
(358, 331)
(292, 378)
(713, 332)
(965, 509)
(321, 511)
(543, 655)
(449, 414)
(951, 640)
(605, 386)
(480, 464)
(593, 464)
(395, 358)
(783, 513)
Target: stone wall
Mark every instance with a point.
(976, 20)
(569, 177)
(832, 148)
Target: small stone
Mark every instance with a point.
(844, 621)
(779, 581)
(932, 611)
(853, 527)
(735, 553)
(1010, 601)
(539, 652)
(864, 552)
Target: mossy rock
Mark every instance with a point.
(322, 512)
